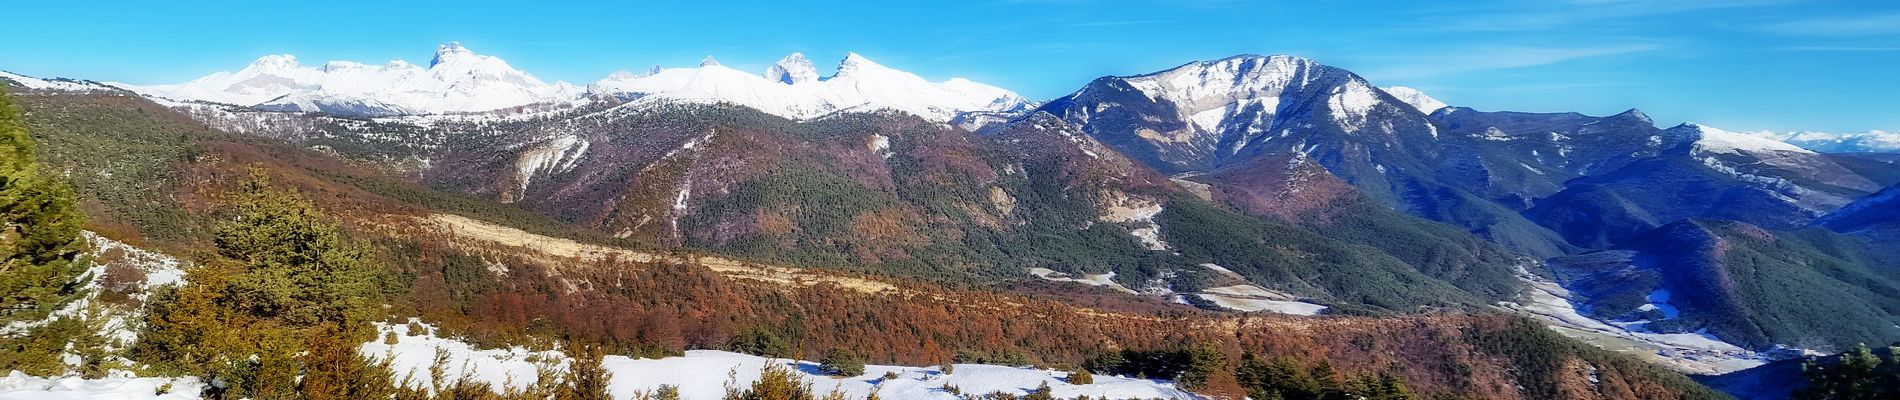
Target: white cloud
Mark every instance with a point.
(1548, 15)
(1495, 58)
(1875, 49)
(1860, 25)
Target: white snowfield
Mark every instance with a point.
(415, 352)
(18, 386)
(791, 88)
(703, 374)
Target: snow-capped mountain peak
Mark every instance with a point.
(457, 80)
(1714, 140)
(274, 62)
(448, 52)
(792, 89)
(853, 62)
(793, 69)
(1417, 99)
(709, 61)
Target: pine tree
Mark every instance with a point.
(1042, 392)
(776, 382)
(842, 362)
(1081, 376)
(585, 379)
(298, 269)
(40, 245)
(278, 314)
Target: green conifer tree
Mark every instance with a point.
(40, 246)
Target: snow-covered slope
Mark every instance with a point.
(704, 374)
(456, 80)
(1424, 103)
(1714, 140)
(62, 85)
(1875, 141)
(792, 89)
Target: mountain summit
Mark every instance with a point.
(793, 69)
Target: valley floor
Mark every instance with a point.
(1689, 353)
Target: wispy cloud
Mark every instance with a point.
(1848, 49)
(1861, 25)
(1546, 15)
(1098, 24)
(1497, 58)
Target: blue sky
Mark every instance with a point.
(1737, 64)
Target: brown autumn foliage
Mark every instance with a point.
(668, 307)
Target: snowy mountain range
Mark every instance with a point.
(792, 88)
(1864, 142)
(458, 80)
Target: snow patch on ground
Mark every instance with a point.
(702, 374)
(1350, 105)
(880, 145)
(114, 323)
(1142, 218)
(415, 352)
(1252, 298)
(120, 386)
(1105, 280)
(1222, 270)
(557, 155)
(159, 269)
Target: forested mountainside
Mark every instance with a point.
(453, 259)
(891, 194)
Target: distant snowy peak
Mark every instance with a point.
(792, 88)
(1865, 142)
(1217, 83)
(450, 52)
(1713, 140)
(1414, 97)
(456, 80)
(793, 69)
(1255, 91)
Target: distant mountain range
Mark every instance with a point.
(1218, 183)
(458, 80)
(1863, 142)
